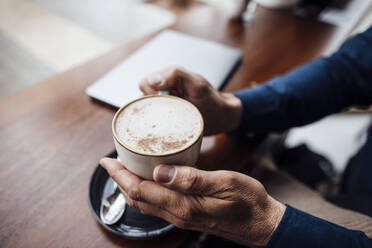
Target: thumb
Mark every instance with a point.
(185, 179)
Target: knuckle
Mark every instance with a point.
(190, 180)
(228, 183)
(166, 204)
(175, 72)
(116, 175)
(186, 214)
(134, 193)
(138, 188)
(203, 87)
(231, 179)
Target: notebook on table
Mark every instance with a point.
(212, 60)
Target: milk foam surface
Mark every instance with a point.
(158, 125)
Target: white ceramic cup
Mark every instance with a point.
(143, 164)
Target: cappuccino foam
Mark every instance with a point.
(158, 125)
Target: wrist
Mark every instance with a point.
(274, 212)
(233, 109)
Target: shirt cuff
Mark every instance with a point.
(255, 102)
(299, 229)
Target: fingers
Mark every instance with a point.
(151, 198)
(188, 180)
(149, 85)
(147, 208)
(124, 178)
(163, 80)
(138, 189)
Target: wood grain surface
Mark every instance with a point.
(52, 134)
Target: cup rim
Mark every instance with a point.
(113, 126)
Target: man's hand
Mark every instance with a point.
(221, 111)
(223, 203)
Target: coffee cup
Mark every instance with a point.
(157, 129)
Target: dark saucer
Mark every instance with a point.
(133, 223)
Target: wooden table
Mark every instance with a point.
(52, 134)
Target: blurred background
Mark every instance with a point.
(40, 38)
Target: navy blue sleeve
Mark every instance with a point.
(298, 229)
(312, 91)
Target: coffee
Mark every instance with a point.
(158, 125)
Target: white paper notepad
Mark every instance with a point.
(212, 60)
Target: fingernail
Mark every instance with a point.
(164, 173)
(104, 162)
(155, 79)
(107, 163)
